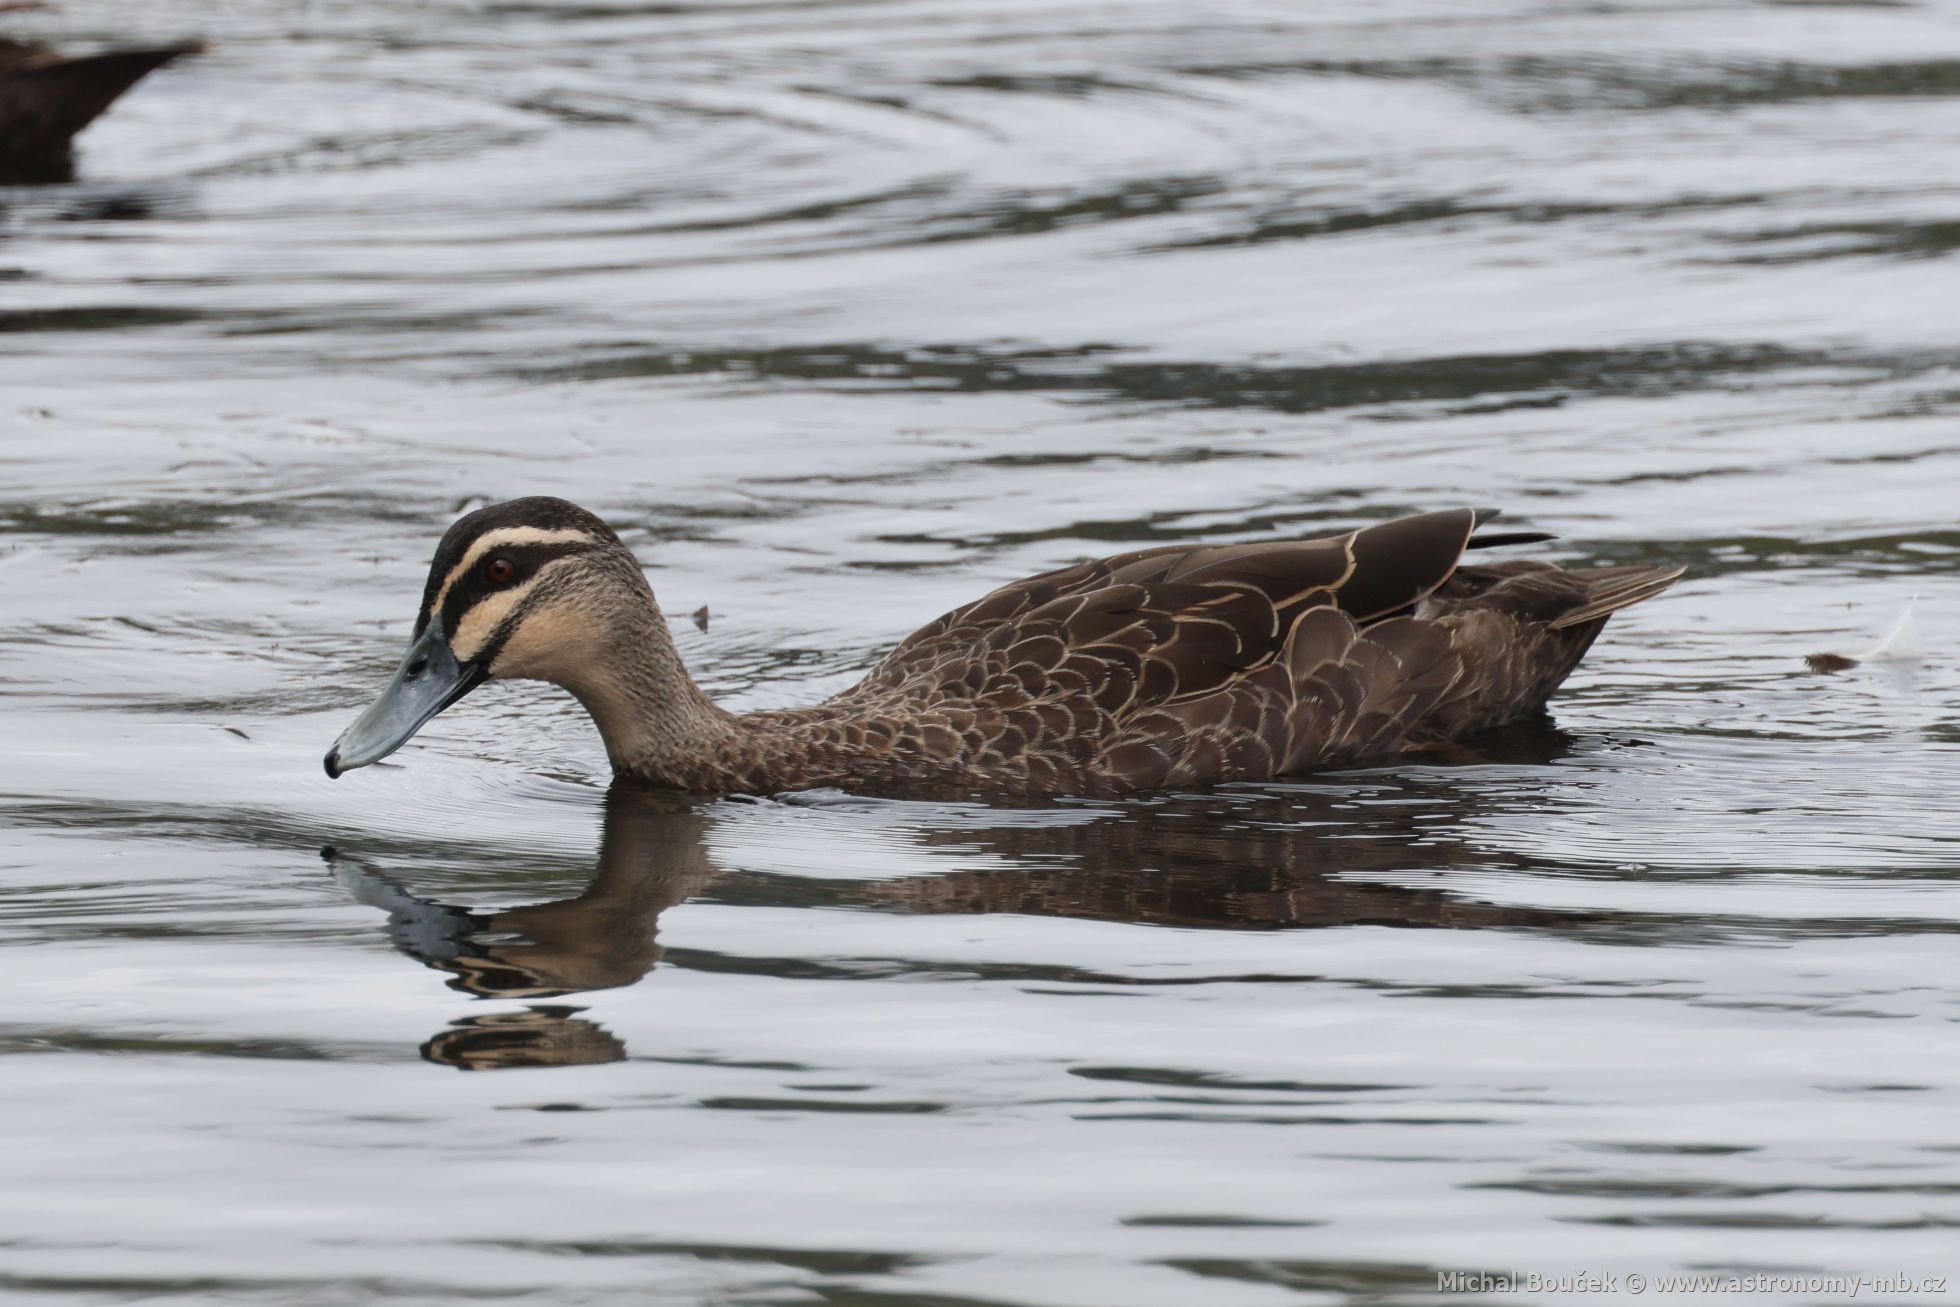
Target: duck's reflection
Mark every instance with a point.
(536, 1036)
(1284, 857)
(651, 856)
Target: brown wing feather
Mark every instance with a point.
(1402, 561)
(1205, 612)
(1189, 665)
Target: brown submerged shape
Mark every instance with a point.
(1167, 667)
(46, 98)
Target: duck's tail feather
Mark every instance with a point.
(1483, 517)
(1499, 539)
(1613, 588)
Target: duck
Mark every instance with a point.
(1154, 669)
(47, 97)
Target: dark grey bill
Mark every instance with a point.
(429, 680)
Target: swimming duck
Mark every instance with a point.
(46, 98)
(1175, 666)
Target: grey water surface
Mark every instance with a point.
(843, 311)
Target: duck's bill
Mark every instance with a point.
(428, 680)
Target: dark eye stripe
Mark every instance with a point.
(473, 586)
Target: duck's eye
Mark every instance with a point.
(499, 571)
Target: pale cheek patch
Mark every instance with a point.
(551, 644)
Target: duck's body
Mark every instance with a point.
(1162, 667)
(46, 98)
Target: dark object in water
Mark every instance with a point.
(46, 98)
(1829, 662)
(700, 616)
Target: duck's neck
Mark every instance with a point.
(657, 724)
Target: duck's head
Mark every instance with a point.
(533, 588)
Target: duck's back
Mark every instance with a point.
(1194, 664)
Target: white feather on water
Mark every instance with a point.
(1903, 643)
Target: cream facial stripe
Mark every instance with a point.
(474, 631)
(504, 537)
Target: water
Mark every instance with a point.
(844, 312)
